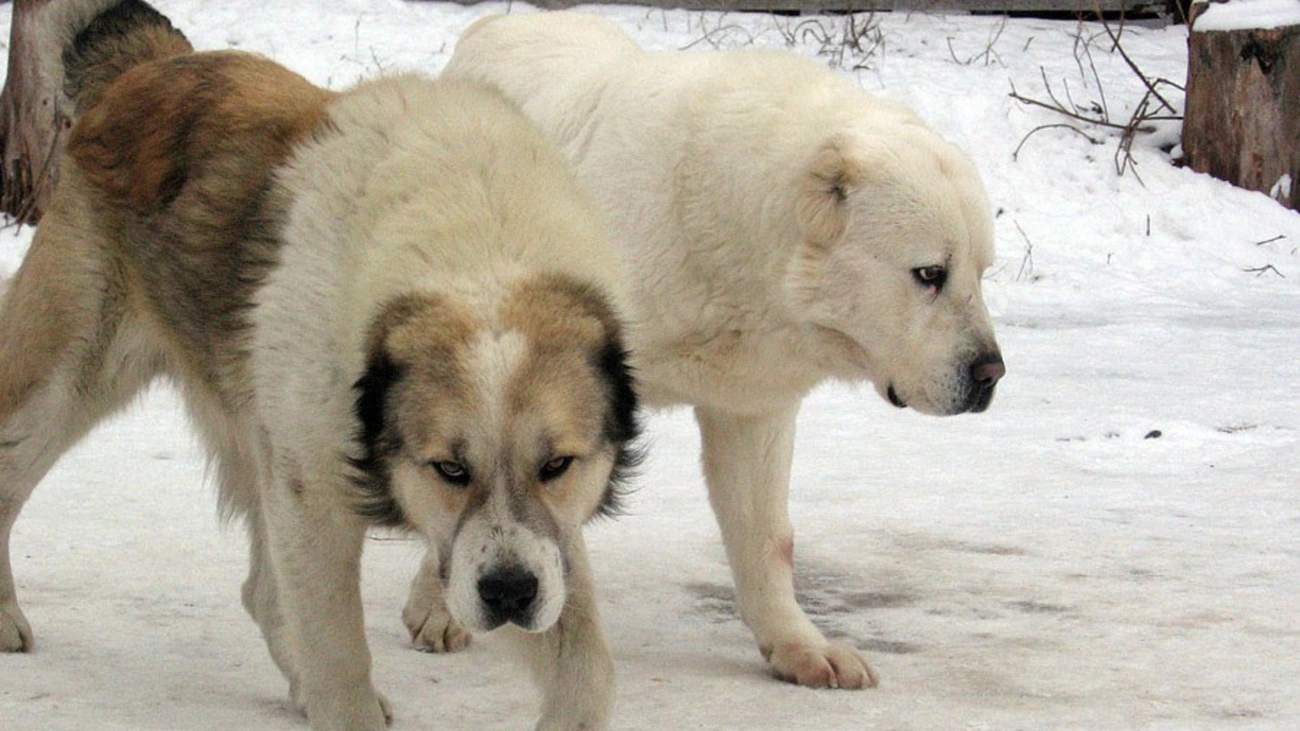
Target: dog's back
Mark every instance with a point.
(463, 159)
(563, 44)
(421, 185)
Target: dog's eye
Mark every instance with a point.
(931, 276)
(453, 472)
(555, 468)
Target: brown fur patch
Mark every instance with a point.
(157, 125)
(553, 308)
(571, 383)
(46, 309)
(426, 336)
(566, 324)
(415, 327)
(176, 158)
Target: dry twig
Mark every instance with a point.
(1260, 271)
(1152, 107)
(1015, 155)
(857, 34)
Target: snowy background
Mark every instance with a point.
(1044, 565)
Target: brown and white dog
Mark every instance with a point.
(778, 227)
(388, 306)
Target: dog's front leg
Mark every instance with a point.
(747, 466)
(315, 548)
(571, 661)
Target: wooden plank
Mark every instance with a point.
(937, 6)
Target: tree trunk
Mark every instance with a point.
(33, 122)
(1242, 122)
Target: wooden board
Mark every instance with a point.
(1044, 7)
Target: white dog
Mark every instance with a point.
(778, 228)
(390, 305)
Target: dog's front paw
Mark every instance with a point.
(361, 710)
(15, 632)
(434, 630)
(828, 665)
(572, 722)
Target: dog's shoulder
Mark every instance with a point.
(155, 127)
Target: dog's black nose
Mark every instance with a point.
(508, 593)
(985, 374)
(987, 371)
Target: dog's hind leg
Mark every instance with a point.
(262, 601)
(69, 355)
(571, 661)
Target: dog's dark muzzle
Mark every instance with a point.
(979, 382)
(985, 374)
(508, 595)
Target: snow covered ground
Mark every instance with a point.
(1114, 545)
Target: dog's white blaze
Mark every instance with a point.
(494, 538)
(494, 357)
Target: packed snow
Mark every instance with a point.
(1114, 545)
(1249, 14)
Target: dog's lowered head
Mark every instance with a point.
(897, 238)
(497, 436)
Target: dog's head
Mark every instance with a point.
(497, 435)
(896, 235)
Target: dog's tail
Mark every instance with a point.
(106, 38)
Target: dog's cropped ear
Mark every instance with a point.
(561, 309)
(622, 420)
(569, 311)
(423, 329)
(823, 192)
(377, 441)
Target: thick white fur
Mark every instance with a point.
(770, 217)
(379, 210)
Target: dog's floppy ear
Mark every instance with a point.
(823, 192)
(410, 336)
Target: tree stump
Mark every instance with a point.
(31, 118)
(1242, 122)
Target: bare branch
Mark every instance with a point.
(1133, 66)
(1059, 109)
(1260, 271)
(1016, 154)
(1027, 262)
